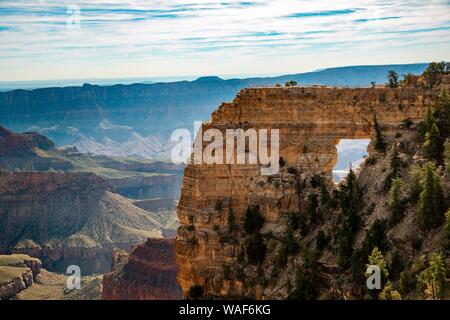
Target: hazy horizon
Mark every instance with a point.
(87, 39)
(43, 83)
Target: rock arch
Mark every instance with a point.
(311, 121)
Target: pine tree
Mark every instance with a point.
(396, 206)
(431, 201)
(447, 224)
(395, 163)
(427, 123)
(253, 221)
(376, 259)
(443, 114)
(447, 154)
(432, 281)
(380, 145)
(434, 72)
(393, 79)
(416, 184)
(324, 193)
(394, 170)
(389, 293)
(432, 146)
(351, 200)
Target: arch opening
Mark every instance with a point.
(350, 152)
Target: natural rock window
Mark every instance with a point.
(350, 152)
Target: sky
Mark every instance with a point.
(75, 39)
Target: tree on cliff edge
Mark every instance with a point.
(393, 79)
(380, 145)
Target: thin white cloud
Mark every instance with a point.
(179, 37)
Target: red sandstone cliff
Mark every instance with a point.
(147, 273)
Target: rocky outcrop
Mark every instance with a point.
(311, 122)
(17, 272)
(147, 273)
(16, 144)
(144, 187)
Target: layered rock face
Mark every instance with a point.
(17, 272)
(69, 218)
(311, 121)
(12, 144)
(147, 273)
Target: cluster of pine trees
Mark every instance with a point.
(425, 192)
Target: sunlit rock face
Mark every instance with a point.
(311, 121)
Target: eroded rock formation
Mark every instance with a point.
(69, 218)
(147, 273)
(17, 272)
(311, 122)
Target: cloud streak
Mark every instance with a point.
(178, 37)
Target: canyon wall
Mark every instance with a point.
(17, 272)
(69, 218)
(311, 121)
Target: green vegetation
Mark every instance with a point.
(407, 123)
(322, 241)
(325, 198)
(442, 114)
(253, 220)
(307, 278)
(289, 248)
(434, 71)
(218, 205)
(408, 79)
(447, 154)
(311, 207)
(416, 184)
(298, 221)
(431, 281)
(396, 205)
(447, 224)
(292, 170)
(255, 249)
(376, 258)
(380, 145)
(231, 223)
(395, 165)
(396, 266)
(375, 238)
(389, 293)
(431, 201)
(427, 123)
(351, 199)
(407, 282)
(393, 79)
(195, 292)
(433, 144)
(290, 83)
(351, 202)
